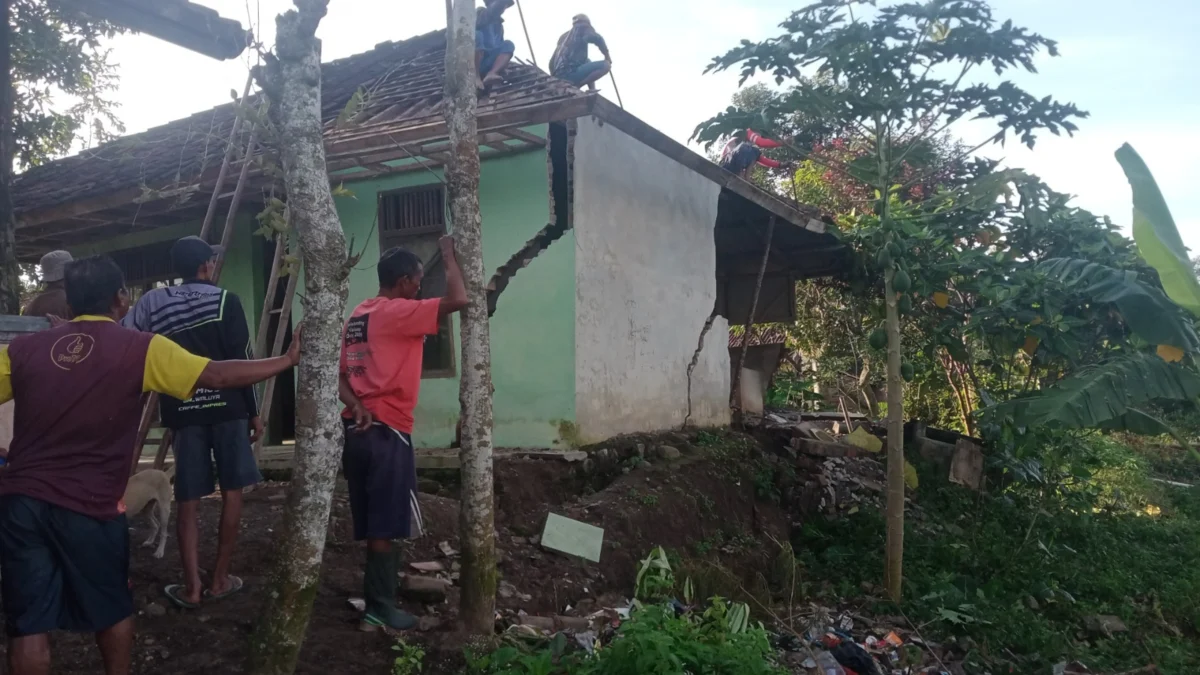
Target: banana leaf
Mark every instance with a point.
(1146, 310)
(1103, 396)
(1157, 238)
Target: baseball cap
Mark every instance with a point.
(189, 253)
(54, 265)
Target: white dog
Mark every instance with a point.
(151, 486)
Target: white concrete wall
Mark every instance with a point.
(645, 282)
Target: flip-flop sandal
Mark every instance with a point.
(173, 593)
(235, 584)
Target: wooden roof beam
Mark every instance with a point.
(179, 22)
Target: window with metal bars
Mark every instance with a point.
(146, 267)
(415, 218)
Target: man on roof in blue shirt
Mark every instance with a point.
(492, 51)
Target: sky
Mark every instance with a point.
(1130, 63)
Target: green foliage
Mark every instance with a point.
(1146, 309)
(655, 641)
(1109, 395)
(409, 658)
(62, 80)
(655, 579)
(1157, 237)
(1019, 569)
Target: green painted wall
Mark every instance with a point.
(533, 330)
(241, 274)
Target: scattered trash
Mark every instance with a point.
(358, 604)
(430, 567)
(586, 640)
(572, 537)
(893, 639)
(446, 550)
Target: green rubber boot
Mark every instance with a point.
(379, 590)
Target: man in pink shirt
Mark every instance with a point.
(382, 347)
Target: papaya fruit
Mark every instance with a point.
(901, 283)
(878, 339)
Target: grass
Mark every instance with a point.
(1017, 574)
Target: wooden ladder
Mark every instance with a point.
(269, 304)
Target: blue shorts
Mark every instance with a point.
(61, 570)
(490, 54)
(581, 73)
(195, 448)
(381, 477)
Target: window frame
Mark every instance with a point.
(400, 237)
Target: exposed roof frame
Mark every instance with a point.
(179, 22)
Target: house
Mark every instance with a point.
(613, 244)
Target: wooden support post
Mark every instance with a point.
(735, 390)
(148, 410)
(160, 457)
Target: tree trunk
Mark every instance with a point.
(895, 450)
(10, 271)
(477, 517)
(735, 388)
(963, 406)
(291, 79)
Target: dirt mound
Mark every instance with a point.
(703, 502)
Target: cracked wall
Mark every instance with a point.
(645, 284)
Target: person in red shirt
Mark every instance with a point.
(741, 154)
(382, 347)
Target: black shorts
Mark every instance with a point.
(61, 570)
(195, 448)
(381, 474)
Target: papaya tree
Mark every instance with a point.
(896, 77)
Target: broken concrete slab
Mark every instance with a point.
(966, 467)
(1104, 624)
(572, 537)
(825, 448)
(429, 590)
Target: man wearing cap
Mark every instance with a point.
(218, 424)
(53, 300)
(64, 539)
(570, 61)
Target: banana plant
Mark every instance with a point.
(1157, 238)
(1113, 394)
(1146, 310)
